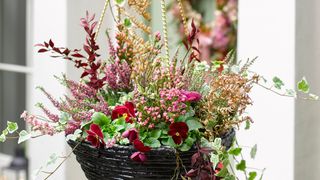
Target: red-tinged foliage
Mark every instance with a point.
(191, 43)
(88, 61)
(201, 167)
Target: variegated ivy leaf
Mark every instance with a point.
(52, 159)
(303, 85)
(74, 136)
(216, 144)
(214, 159)
(2, 138)
(253, 151)
(291, 92)
(277, 82)
(12, 127)
(23, 136)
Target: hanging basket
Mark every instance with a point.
(115, 162)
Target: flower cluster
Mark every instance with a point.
(147, 100)
(217, 37)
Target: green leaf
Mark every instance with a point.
(100, 119)
(152, 142)
(204, 142)
(185, 147)
(303, 85)
(124, 141)
(214, 159)
(5, 132)
(291, 92)
(241, 166)
(64, 117)
(277, 82)
(127, 22)
(171, 142)
(23, 136)
(12, 127)
(253, 151)
(2, 138)
(235, 151)
(217, 144)
(120, 2)
(229, 177)
(248, 124)
(52, 159)
(155, 133)
(223, 172)
(252, 175)
(194, 124)
(74, 136)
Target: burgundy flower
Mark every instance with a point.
(138, 156)
(192, 96)
(178, 131)
(127, 110)
(131, 134)
(140, 146)
(95, 136)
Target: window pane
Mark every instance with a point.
(13, 32)
(12, 104)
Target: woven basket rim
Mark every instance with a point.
(122, 147)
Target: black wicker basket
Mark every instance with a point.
(115, 163)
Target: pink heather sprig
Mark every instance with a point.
(44, 127)
(56, 103)
(118, 76)
(51, 116)
(102, 105)
(79, 90)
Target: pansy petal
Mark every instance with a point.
(97, 130)
(130, 107)
(142, 157)
(177, 139)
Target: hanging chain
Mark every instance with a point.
(165, 30)
(101, 18)
(183, 17)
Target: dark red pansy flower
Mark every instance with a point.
(95, 136)
(131, 134)
(178, 131)
(192, 96)
(140, 146)
(138, 156)
(126, 110)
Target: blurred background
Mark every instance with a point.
(285, 35)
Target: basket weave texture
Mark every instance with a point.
(115, 163)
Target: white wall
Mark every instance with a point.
(45, 23)
(266, 29)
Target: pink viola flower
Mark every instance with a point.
(95, 136)
(192, 96)
(131, 134)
